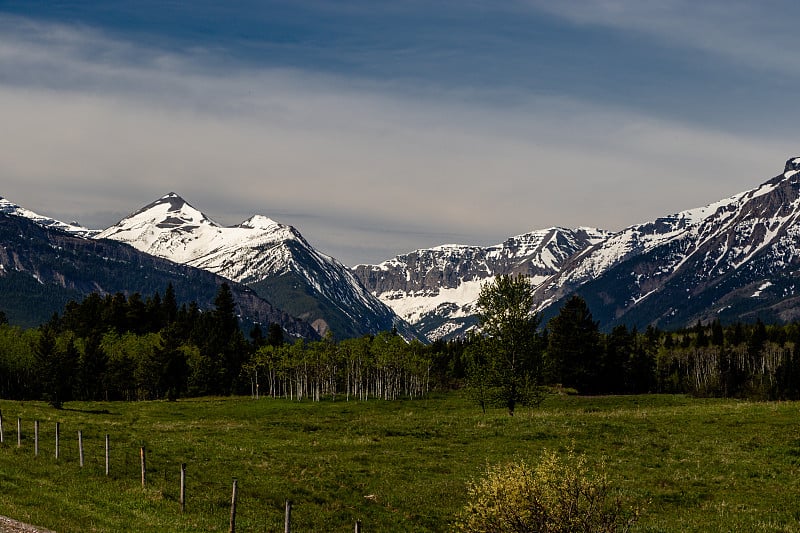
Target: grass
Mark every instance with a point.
(690, 464)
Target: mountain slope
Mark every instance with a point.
(41, 269)
(436, 289)
(7, 207)
(734, 259)
(272, 258)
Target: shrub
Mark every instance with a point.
(554, 497)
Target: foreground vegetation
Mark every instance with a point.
(688, 464)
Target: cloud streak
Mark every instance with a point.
(753, 34)
(98, 127)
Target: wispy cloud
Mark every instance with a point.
(758, 35)
(97, 125)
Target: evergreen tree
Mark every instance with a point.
(737, 335)
(136, 315)
(174, 368)
(717, 334)
(275, 335)
(757, 338)
(226, 323)
(116, 313)
(92, 369)
(47, 366)
(574, 349)
(257, 337)
(641, 370)
(170, 305)
(225, 345)
(619, 347)
(56, 367)
(154, 314)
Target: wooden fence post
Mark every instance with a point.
(36, 438)
(108, 454)
(358, 526)
(19, 432)
(2, 437)
(58, 429)
(287, 519)
(233, 506)
(183, 487)
(80, 447)
(144, 467)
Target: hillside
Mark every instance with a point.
(42, 269)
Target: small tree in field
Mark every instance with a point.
(505, 364)
(556, 496)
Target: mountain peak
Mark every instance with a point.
(260, 222)
(170, 211)
(792, 167)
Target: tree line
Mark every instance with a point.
(118, 347)
(513, 359)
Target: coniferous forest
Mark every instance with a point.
(119, 347)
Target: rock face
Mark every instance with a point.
(736, 259)
(272, 258)
(436, 289)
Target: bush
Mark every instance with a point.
(555, 497)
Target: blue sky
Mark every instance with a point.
(377, 128)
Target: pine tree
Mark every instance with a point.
(92, 369)
(225, 345)
(619, 347)
(56, 367)
(257, 337)
(170, 305)
(574, 349)
(275, 335)
(174, 368)
(717, 334)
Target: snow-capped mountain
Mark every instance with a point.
(738, 258)
(42, 267)
(73, 228)
(436, 289)
(272, 258)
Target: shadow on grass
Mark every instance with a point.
(90, 411)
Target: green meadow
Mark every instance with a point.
(688, 464)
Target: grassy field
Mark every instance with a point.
(690, 464)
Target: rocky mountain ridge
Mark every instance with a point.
(736, 259)
(436, 289)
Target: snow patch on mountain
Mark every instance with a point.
(413, 306)
(764, 286)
